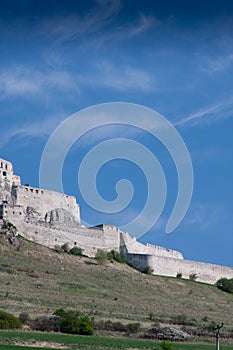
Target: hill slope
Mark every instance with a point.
(38, 280)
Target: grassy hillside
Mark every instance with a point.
(38, 280)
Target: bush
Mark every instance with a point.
(148, 270)
(46, 324)
(179, 275)
(166, 346)
(193, 277)
(183, 320)
(8, 321)
(133, 327)
(101, 257)
(119, 257)
(72, 322)
(24, 317)
(65, 248)
(118, 326)
(76, 251)
(225, 284)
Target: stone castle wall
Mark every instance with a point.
(44, 201)
(166, 266)
(53, 219)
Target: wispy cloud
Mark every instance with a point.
(120, 78)
(217, 64)
(73, 26)
(219, 111)
(25, 81)
(40, 128)
(64, 28)
(205, 216)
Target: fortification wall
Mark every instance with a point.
(134, 247)
(165, 266)
(90, 240)
(43, 201)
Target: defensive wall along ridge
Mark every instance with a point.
(53, 219)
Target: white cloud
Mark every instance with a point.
(205, 216)
(40, 128)
(25, 81)
(213, 65)
(120, 78)
(219, 111)
(64, 28)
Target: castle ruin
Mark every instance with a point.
(53, 219)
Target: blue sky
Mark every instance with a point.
(176, 57)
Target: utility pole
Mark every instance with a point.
(217, 330)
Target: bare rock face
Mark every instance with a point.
(62, 217)
(167, 333)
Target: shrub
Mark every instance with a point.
(65, 248)
(8, 225)
(166, 346)
(133, 327)
(85, 326)
(118, 326)
(8, 321)
(119, 257)
(148, 270)
(72, 322)
(179, 275)
(46, 324)
(225, 284)
(24, 317)
(101, 257)
(183, 320)
(76, 251)
(193, 276)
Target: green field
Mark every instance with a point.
(7, 338)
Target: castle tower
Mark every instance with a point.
(7, 177)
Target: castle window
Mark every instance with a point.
(31, 190)
(26, 189)
(6, 166)
(42, 192)
(13, 213)
(1, 165)
(20, 213)
(75, 243)
(4, 173)
(37, 191)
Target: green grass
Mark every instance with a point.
(42, 280)
(87, 342)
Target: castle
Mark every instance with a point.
(53, 219)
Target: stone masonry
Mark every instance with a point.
(53, 219)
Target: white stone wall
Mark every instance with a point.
(166, 266)
(44, 201)
(133, 246)
(88, 239)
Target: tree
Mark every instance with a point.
(72, 322)
(225, 284)
(101, 257)
(76, 251)
(8, 321)
(65, 247)
(193, 276)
